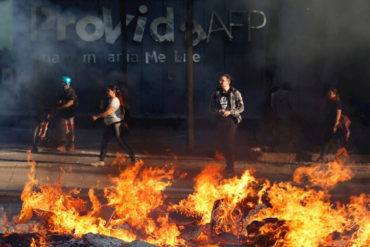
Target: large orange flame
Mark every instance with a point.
(210, 187)
(136, 196)
(327, 175)
(299, 213)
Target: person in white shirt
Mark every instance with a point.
(113, 119)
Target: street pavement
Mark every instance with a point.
(156, 147)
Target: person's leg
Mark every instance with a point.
(121, 141)
(327, 135)
(340, 139)
(107, 136)
(216, 138)
(61, 135)
(220, 136)
(71, 134)
(229, 141)
(324, 150)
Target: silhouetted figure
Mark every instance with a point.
(332, 113)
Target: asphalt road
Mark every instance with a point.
(78, 172)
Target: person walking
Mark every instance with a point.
(332, 114)
(66, 110)
(227, 105)
(113, 119)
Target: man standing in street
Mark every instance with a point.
(227, 105)
(67, 107)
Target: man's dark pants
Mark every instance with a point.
(225, 136)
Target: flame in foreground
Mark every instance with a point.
(257, 212)
(292, 215)
(134, 195)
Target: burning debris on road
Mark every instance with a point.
(59, 240)
(244, 211)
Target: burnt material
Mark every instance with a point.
(58, 240)
(256, 238)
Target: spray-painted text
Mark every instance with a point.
(91, 28)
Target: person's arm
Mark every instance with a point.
(239, 104)
(104, 114)
(339, 114)
(213, 104)
(70, 97)
(66, 105)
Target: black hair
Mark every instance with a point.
(335, 91)
(113, 87)
(228, 77)
(118, 94)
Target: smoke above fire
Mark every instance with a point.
(253, 210)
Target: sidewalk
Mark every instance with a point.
(78, 173)
(171, 142)
(156, 147)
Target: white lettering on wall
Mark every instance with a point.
(92, 28)
(112, 58)
(98, 28)
(63, 22)
(89, 58)
(181, 57)
(153, 56)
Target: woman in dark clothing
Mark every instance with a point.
(332, 115)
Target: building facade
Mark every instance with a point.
(261, 43)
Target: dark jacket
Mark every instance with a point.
(65, 96)
(236, 103)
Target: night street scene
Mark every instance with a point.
(209, 123)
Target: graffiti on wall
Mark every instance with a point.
(161, 29)
(43, 18)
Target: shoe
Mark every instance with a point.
(71, 147)
(61, 149)
(98, 163)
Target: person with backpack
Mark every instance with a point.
(113, 119)
(335, 125)
(66, 110)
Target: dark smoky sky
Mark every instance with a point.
(322, 44)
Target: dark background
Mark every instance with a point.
(311, 44)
